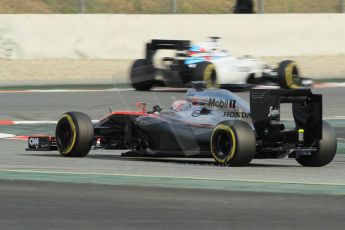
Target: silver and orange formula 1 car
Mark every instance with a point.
(213, 123)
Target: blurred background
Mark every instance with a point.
(166, 6)
(95, 41)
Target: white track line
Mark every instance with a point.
(78, 90)
(33, 122)
(6, 135)
(66, 90)
(37, 122)
(329, 85)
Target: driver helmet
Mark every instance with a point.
(180, 105)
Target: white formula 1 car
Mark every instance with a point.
(208, 62)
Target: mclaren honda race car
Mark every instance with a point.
(208, 62)
(212, 123)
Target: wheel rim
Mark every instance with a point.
(65, 134)
(291, 76)
(210, 76)
(223, 144)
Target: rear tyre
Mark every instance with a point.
(233, 143)
(326, 149)
(74, 134)
(206, 71)
(288, 75)
(142, 75)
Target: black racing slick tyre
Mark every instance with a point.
(233, 143)
(206, 71)
(74, 134)
(288, 75)
(327, 148)
(142, 75)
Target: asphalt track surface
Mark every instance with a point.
(41, 190)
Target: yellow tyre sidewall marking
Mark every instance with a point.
(208, 75)
(232, 151)
(74, 134)
(288, 76)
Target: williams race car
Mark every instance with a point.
(208, 62)
(208, 123)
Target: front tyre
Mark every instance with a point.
(233, 143)
(326, 149)
(142, 75)
(74, 134)
(206, 71)
(288, 75)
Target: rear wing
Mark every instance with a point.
(306, 110)
(157, 44)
